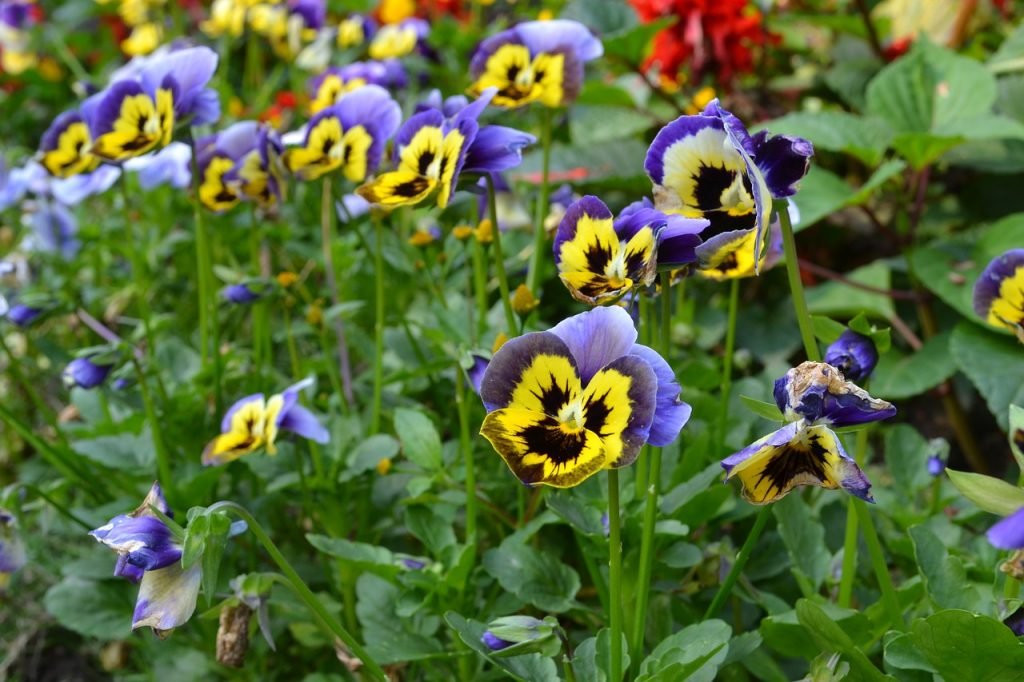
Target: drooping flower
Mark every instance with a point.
(582, 397)
(87, 372)
(64, 147)
(429, 153)
(535, 61)
(526, 633)
(999, 292)
(393, 41)
(805, 451)
(150, 552)
(138, 113)
(330, 86)
(254, 422)
(349, 136)
(709, 166)
(853, 354)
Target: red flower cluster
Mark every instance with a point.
(708, 36)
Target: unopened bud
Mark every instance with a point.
(523, 301)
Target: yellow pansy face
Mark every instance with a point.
(70, 156)
(521, 79)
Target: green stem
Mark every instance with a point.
(56, 505)
(378, 326)
(499, 260)
(326, 235)
(730, 349)
(889, 598)
(539, 236)
(741, 560)
(479, 255)
(163, 462)
(850, 540)
(307, 596)
(796, 287)
(466, 445)
(261, 345)
(614, 577)
(137, 247)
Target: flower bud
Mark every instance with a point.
(242, 294)
(23, 315)
(853, 354)
(517, 635)
(84, 373)
(523, 301)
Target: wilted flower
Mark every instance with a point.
(999, 293)
(853, 354)
(253, 423)
(150, 552)
(87, 372)
(709, 166)
(582, 397)
(534, 61)
(349, 136)
(806, 451)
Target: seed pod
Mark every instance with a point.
(233, 635)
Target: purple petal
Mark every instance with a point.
(784, 160)
(853, 354)
(505, 371)
(588, 206)
(475, 374)
(596, 338)
(74, 190)
(167, 597)
(1008, 533)
(371, 107)
(191, 69)
(301, 421)
(560, 35)
(225, 423)
(145, 541)
(671, 413)
(496, 149)
(987, 290)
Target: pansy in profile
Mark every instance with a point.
(392, 41)
(64, 147)
(254, 422)
(601, 258)
(812, 397)
(347, 136)
(429, 153)
(709, 166)
(535, 61)
(333, 83)
(149, 552)
(999, 293)
(137, 113)
(584, 396)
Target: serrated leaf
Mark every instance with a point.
(705, 645)
(993, 495)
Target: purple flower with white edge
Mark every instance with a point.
(535, 61)
(818, 393)
(86, 373)
(584, 396)
(853, 354)
(253, 423)
(708, 165)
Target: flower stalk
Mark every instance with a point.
(536, 258)
(499, 259)
(614, 577)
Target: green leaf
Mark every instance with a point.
(379, 560)
(901, 653)
(826, 329)
(124, 452)
(949, 268)
(990, 494)
(633, 44)
(901, 376)
(967, 647)
(769, 411)
(98, 610)
(829, 637)
(838, 131)
(1016, 432)
(390, 638)
(945, 577)
(681, 555)
(367, 454)
(420, 440)
(430, 527)
(600, 124)
(216, 540)
(686, 491)
(804, 537)
(533, 576)
(195, 540)
(694, 653)
(993, 364)
(784, 633)
(583, 517)
(1010, 55)
(841, 300)
(528, 668)
(906, 458)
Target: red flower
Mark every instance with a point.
(708, 36)
(286, 99)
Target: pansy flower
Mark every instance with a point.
(216, 156)
(393, 41)
(999, 293)
(148, 551)
(600, 259)
(12, 551)
(582, 397)
(805, 451)
(259, 174)
(429, 152)
(289, 26)
(227, 17)
(709, 166)
(354, 30)
(64, 148)
(328, 88)
(136, 114)
(254, 422)
(853, 354)
(535, 61)
(349, 136)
